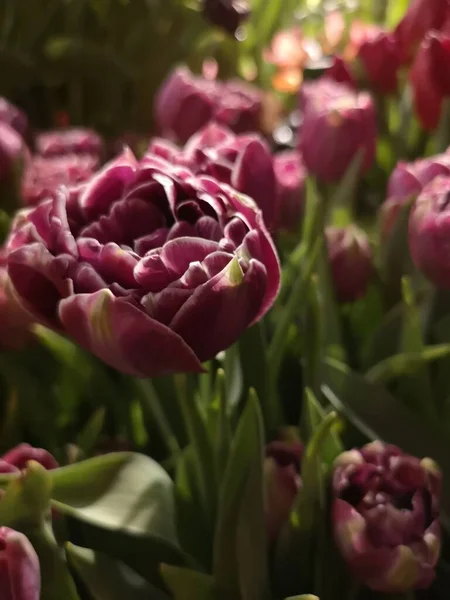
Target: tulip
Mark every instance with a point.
(185, 104)
(282, 482)
(378, 60)
(290, 174)
(428, 232)
(44, 175)
(334, 130)
(12, 150)
(150, 268)
(13, 116)
(341, 72)
(19, 456)
(351, 262)
(60, 142)
(421, 17)
(430, 79)
(386, 517)
(227, 14)
(243, 161)
(20, 575)
(322, 90)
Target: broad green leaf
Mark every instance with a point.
(219, 424)
(90, 434)
(406, 363)
(253, 353)
(186, 584)
(314, 416)
(344, 196)
(251, 539)
(379, 415)
(118, 491)
(246, 444)
(233, 376)
(385, 342)
(107, 579)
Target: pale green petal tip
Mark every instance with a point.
(234, 272)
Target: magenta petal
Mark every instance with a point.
(219, 311)
(40, 280)
(178, 254)
(125, 337)
(151, 241)
(254, 175)
(108, 185)
(152, 274)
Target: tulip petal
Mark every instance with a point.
(124, 336)
(219, 311)
(254, 175)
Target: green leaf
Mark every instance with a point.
(344, 196)
(314, 416)
(379, 415)
(406, 363)
(118, 491)
(107, 579)
(253, 353)
(186, 584)
(89, 435)
(246, 444)
(219, 423)
(251, 539)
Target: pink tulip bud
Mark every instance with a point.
(20, 456)
(20, 576)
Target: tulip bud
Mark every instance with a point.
(430, 79)
(12, 148)
(329, 121)
(185, 104)
(13, 116)
(421, 17)
(282, 482)
(69, 141)
(23, 453)
(378, 58)
(429, 228)
(340, 71)
(20, 576)
(386, 517)
(227, 14)
(290, 174)
(351, 261)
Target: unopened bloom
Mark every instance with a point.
(282, 466)
(421, 17)
(334, 130)
(386, 517)
(290, 174)
(429, 228)
(227, 14)
(20, 574)
(44, 175)
(13, 116)
(351, 261)
(243, 161)
(150, 268)
(19, 456)
(185, 104)
(430, 79)
(377, 62)
(60, 142)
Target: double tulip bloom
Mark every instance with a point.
(186, 103)
(150, 268)
(386, 517)
(43, 175)
(337, 124)
(20, 575)
(406, 182)
(60, 142)
(429, 229)
(13, 116)
(351, 261)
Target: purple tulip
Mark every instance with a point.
(12, 151)
(60, 142)
(185, 104)
(227, 14)
(44, 175)
(351, 261)
(290, 173)
(429, 228)
(386, 517)
(323, 90)
(150, 268)
(282, 466)
(13, 116)
(243, 161)
(20, 574)
(19, 456)
(334, 130)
